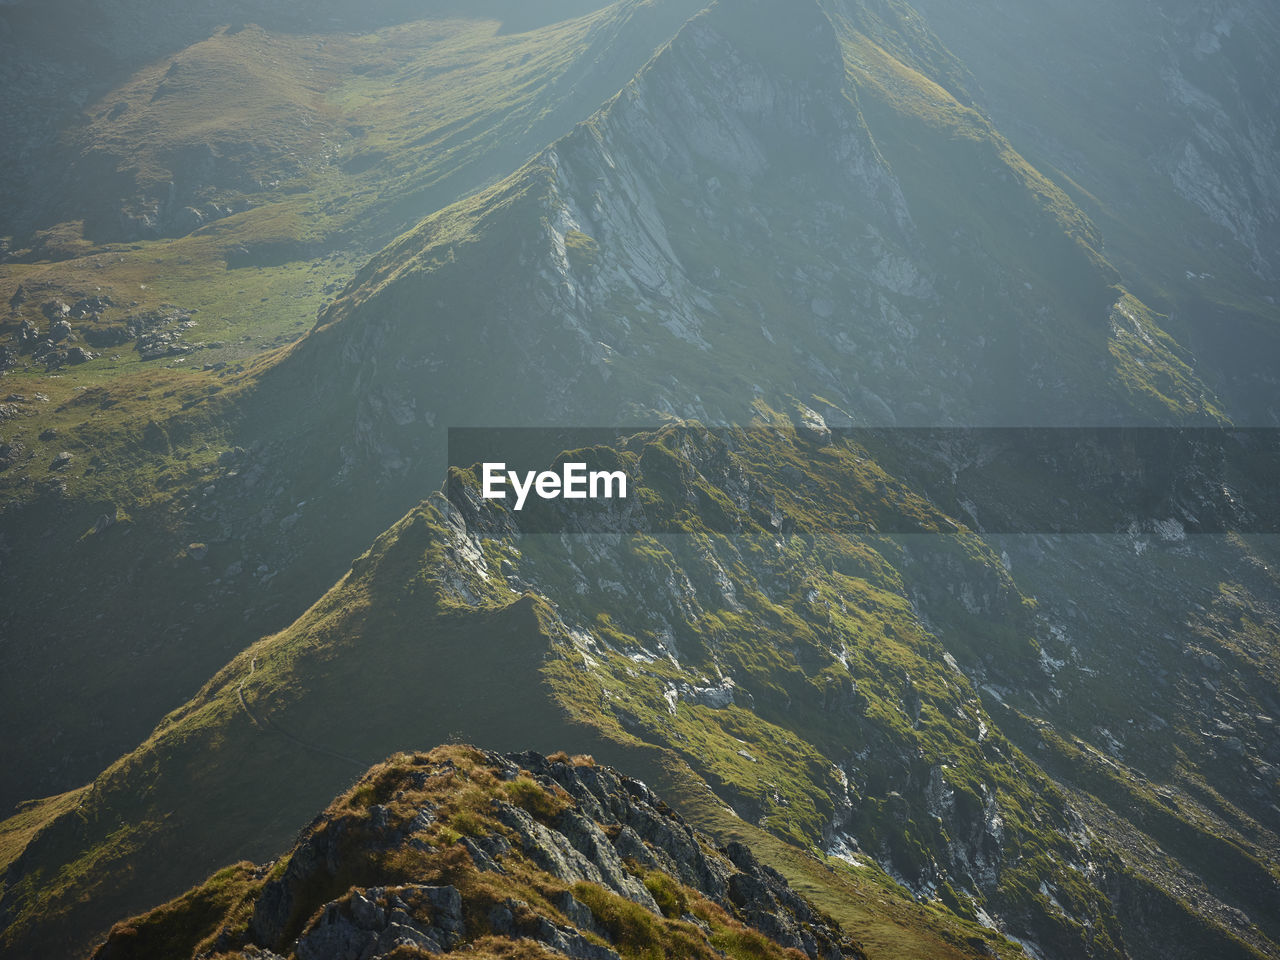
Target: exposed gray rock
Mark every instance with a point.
(557, 852)
(771, 906)
(812, 426)
(579, 913)
(570, 942)
(373, 922)
(717, 697)
(55, 310)
(90, 307)
(515, 919)
(484, 853)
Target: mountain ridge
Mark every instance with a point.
(830, 687)
(563, 829)
(1069, 739)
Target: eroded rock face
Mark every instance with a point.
(376, 921)
(560, 852)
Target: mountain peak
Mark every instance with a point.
(471, 851)
(792, 38)
(766, 59)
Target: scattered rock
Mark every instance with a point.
(79, 355)
(9, 453)
(375, 922)
(161, 343)
(812, 426)
(718, 697)
(61, 461)
(90, 307)
(112, 335)
(55, 310)
(197, 551)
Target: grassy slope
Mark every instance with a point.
(324, 144)
(271, 755)
(869, 905)
(211, 758)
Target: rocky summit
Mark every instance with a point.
(518, 855)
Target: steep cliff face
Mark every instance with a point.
(462, 851)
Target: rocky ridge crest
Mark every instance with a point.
(459, 849)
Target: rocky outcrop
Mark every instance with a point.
(559, 852)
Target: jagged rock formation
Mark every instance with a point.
(519, 855)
